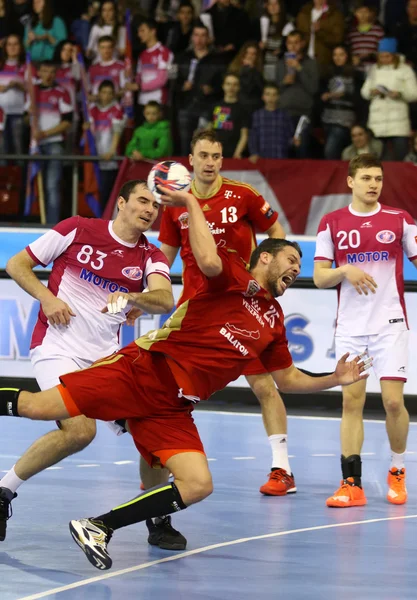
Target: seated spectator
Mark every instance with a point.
(198, 85)
(363, 38)
(153, 138)
(412, 156)
(44, 31)
(406, 34)
(228, 25)
(230, 120)
(107, 24)
(272, 130)
(390, 86)
(338, 114)
(363, 142)
(106, 67)
(273, 28)
(248, 67)
(179, 34)
(107, 126)
(298, 83)
(68, 77)
(12, 94)
(322, 24)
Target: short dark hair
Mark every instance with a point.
(186, 4)
(272, 246)
(106, 38)
(206, 134)
(128, 187)
(295, 32)
(47, 63)
(151, 23)
(153, 104)
(271, 85)
(106, 83)
(231, 74)
(200, 25)
(364, 161)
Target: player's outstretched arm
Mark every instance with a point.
(157, 300)
(326, 277)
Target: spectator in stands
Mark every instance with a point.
(12, 94)
(107, 125)
(406, 34)
(53, 105)
(106, 67)
(198, 85)
(323, 27)
(272, 129)
(68, 77)
(247, 65)
(108, 24)
(338, 113)
(81, 27)
(390, 86)
(273, 28)
(229, 26)
(44, 31)
(298, 83)
(363, 142)
(230, 120)
(393, 12)
(412, 155)
(153, 138)
(9, 23)
(21, 11)
(179, 34)
(363, 38)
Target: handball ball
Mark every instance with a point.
(169, 174)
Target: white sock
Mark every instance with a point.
(279, 452)
(397, 460)
(11, 481)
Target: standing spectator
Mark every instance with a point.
(44, 31)
(179, 34)
(12, 94)
(53, 105)
(9, 23)
(323, 26)
(363, 142)
(230, 120)
(20, 11)
(273, 28)
(406, 34)
(363, 38)
(390, 86)
(229, 24)
(106, 68)
(298, 83)
(107, 24)
(272, 129)
(107, 123)
(81, 27)
(68, 77)
(412, 156)
(393, 12)
(153, 138)
(198, 85)
(248, 67)
(338, 114)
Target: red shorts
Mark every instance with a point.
(255, 367)
(136, 385)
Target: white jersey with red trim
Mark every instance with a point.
(89, 262)
(374, 242)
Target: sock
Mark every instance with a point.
(8, 402)
(11, 481)
(280, 452)
(352, 467)
(397, 460)
(161, 500)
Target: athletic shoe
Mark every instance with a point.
(92, 537)
(348, 494)
(279, 483)
(397, 492)
(163, 535)
(5, 511)
(142, 486)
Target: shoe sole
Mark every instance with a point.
(290, 491)
(390, 500)
(99, 562)
(164, 546)
(344, 505)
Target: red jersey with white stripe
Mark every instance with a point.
(89, 262)
(152, 74)
(12, 101)
(374, 242)
(52, 103)
(67, 77)
(211, 338)
(106, 121)
(101, 71)
(233, 213)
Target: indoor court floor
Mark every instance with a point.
(241, 545)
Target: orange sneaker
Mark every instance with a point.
(348, 494)
(279, 483)
(142, 486)
(397, 492)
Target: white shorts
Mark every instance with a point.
(48, 370)
(389, 352)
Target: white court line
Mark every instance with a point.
(323, 455)
(244, 457)
(123, 462)
(88, 466)
(143, 566)
(295, 417)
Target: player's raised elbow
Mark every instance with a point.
(319, 277)
(167, 302)
(210, 266)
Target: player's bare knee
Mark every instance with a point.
(30, 407)
(264, 389)
(392, 405)
(197, 489)
(353, 404)
(79, 433)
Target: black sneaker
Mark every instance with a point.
(92, 537)
(5, 510)
(163, 535)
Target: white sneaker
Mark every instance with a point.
(92, 537)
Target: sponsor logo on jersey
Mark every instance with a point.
(401, 370)
(385, 236)
(400, 320)
(232, 340)
(183, 219)
(366, 224)
(134, 273)
(269, 213)
(361, 257)
(118, 252)
(215, 230)
(206, 208)
(254, 311)
(265, 208)
(255, 335)
(104, 284)
(252, 289)
(221, 244)
(228, 194)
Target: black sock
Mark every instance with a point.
(8, 402)
(352, 467)
(161, 500)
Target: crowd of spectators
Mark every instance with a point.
(275, 78)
